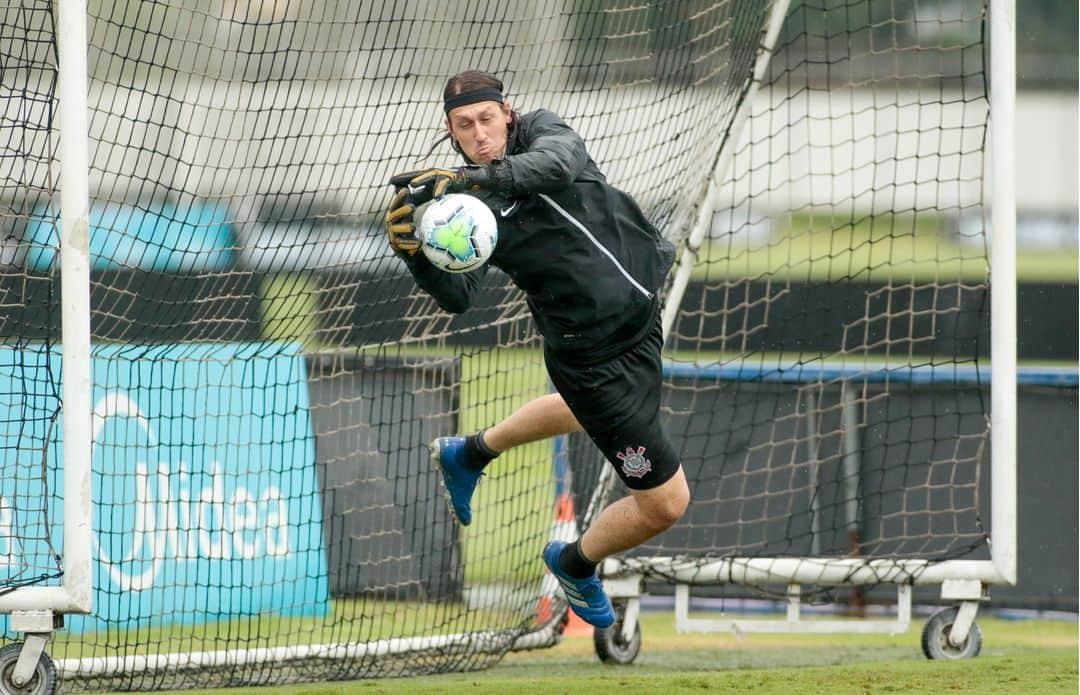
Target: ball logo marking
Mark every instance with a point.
(458, 233)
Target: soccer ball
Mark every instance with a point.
(458, 233)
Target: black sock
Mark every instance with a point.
(574, 563)
(477, 452)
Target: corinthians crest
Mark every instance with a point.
(634, 463)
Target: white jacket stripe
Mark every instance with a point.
(596, 243)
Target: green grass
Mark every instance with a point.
(348, 620)
(1036, 657)
(513, 504)
(289, 305)
(820, 248)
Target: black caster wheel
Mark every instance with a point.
(42, 682)
(935, 637)
(610, 645)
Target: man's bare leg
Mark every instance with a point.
(540, 418)
(620, 526)
(632, 520)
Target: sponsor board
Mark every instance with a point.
(206, 499)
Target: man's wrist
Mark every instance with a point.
(488, 177)
(474, 176)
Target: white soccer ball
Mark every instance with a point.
(458, 233)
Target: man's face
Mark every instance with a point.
(480, 129)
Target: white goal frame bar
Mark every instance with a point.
(75, 592)
(1001, 568)
(474, 643)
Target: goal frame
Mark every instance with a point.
(965, 581)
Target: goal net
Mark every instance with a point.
(826, 371)
(267, 377)
(29, 303)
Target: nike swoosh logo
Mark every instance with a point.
(506, 212)
(413, 190)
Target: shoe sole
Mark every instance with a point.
(436, 462)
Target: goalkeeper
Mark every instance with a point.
(590, 265)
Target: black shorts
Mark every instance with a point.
(618, 403)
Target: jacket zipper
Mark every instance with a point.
(570, 218)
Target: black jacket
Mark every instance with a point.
(582, 251)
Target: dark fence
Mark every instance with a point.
(387, 529)
(139, 306)
(898, 435)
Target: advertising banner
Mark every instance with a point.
(205, 494)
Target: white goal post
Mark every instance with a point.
(35, 610)
(74, 593)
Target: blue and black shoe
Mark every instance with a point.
(586, 596)
(459, 478)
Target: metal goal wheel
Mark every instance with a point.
(611, 644)
(42, 682)
(935, 637)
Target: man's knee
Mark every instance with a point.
(665, 505)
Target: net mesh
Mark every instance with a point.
(29, 385)
(823, 376)
(267, 376)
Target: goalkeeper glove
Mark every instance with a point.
(399, 224)
(426, 184)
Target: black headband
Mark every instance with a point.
(473, 97)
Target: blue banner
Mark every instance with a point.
(205, 492)
(188, 237)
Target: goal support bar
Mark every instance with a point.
(704, 213)
(794, 622)
(805, 570)
(476, 642)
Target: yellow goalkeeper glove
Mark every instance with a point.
(400, 228)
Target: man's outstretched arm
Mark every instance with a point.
(554, 158)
